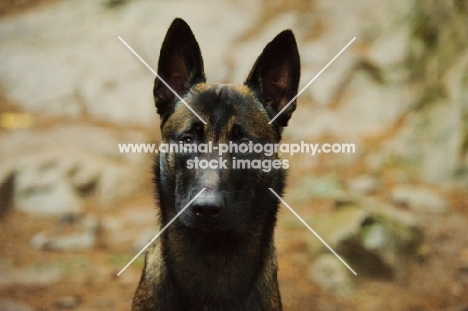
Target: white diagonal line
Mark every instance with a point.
(312, 230)
(313, 79)
(164, 82)
(160, 232)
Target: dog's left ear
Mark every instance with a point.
(180, 66)
(275, 76)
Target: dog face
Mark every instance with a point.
(234, 115)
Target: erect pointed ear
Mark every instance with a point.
(180, 65)
(275, 76)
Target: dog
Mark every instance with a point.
(219, 254)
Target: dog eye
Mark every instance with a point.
(187, 140)
(244, 141)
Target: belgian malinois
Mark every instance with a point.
(219, 253)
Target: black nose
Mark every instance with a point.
(208, 205)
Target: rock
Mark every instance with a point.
(52, 93)
(57, 169)
(419, 199)
(371, 107)
(58, 70)
(58, 200)
(243, 54)
(84, 174)
(389, 53)
(312, 125)
(389, 42)
(28, 277)
(430, 142)
(330, 84)
(364, 184)
(456, 79)
(443, 142)
(350, 151)
(75, 241)
(67, 303)
(331, 274)
(78, 235)
(41, 189)
(118, 182)
(11, 305)
(120, 97)
(455, 83)
(386, 24)
(373, 237)
(318, 187)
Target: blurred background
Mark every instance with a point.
(74, 211)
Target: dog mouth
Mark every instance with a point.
(208, 220)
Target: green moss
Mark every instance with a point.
(123, 259)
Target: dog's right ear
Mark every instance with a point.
(180, 66)
(275, 76)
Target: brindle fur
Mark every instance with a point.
(224, 260)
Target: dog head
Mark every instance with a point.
(236, 195)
